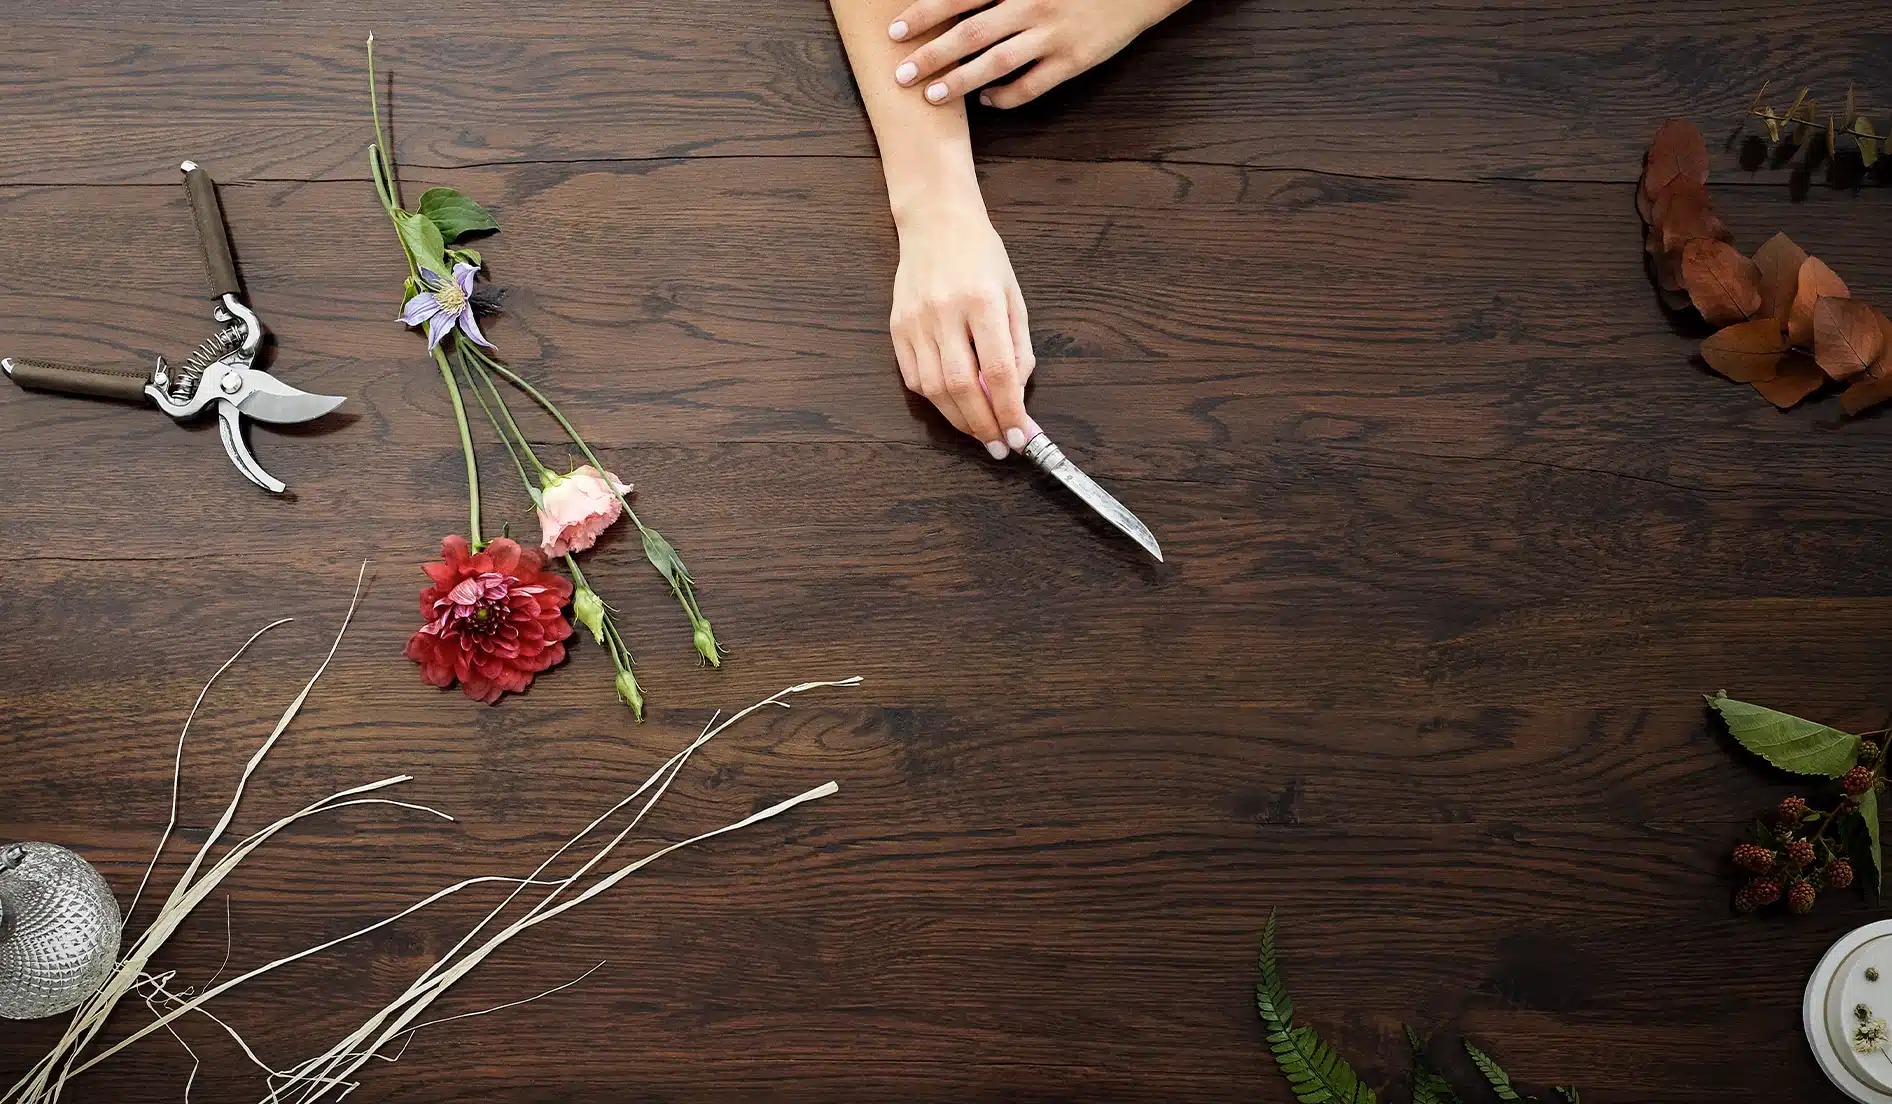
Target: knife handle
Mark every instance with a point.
(101, 383)
(218, 261)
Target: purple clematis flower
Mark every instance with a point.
(444, 305)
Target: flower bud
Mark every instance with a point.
(629, 693)
(588, 610)
(706, 643)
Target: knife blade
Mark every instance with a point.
(1051, 459)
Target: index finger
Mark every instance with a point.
(924, 15)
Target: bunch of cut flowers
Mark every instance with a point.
(494, 614)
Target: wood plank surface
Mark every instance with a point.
(1344, 299)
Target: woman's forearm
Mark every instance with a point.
(925, 151)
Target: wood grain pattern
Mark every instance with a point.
(1342, 298)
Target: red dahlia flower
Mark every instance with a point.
(493, 619)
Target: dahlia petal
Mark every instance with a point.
(454, 549)
(503, 554)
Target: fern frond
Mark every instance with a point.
(1271, 996)
(1428, 1085)
(1494, 1073)
(1316, 1073)
(1569, 1094)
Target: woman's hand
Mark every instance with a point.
(959, 324)
(1064, 38)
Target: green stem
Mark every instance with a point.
(466, 447)
(473, 376)
(671, 567)
(506, 411)
(393, 196)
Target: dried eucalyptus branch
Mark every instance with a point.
(1804, 118)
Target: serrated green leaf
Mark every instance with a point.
(1315, 1072)
(454, 214)
(1869, 815)
(1428, 1085)
(423, 241)
(1786, 741)
(1494, 1073)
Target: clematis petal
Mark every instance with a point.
(432, 279)
(419, 309)
(463, 274)
(438, 327)
(471, 328)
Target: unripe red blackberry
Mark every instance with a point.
(1754, 857)
(1766, 890)
(1792, 809)
(1800, 897)
(1839, 874)
(1800, 852)
(1857, 781)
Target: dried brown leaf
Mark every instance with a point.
(1815, 280)
(1773, 126)
(1724, 286)
(1882, 368)
(1746, 352)
(1848, 336)
(1865, 393)
(1779, 260)
(1795, 379)
(1684, 212)
(1676, 151)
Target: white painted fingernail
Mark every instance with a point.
(906, 72)
(1015, 438)
(997, 449)
(935, 92)
(985, 99)
(898, 31)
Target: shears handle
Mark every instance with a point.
(218, 261)
(71, 379)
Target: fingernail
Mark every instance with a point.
(997, 449)
(898, 31)
(934, 92)
(1016, 439)
(906, 73)
(985, 99)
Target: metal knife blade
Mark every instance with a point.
(269, 399)
(1047, 456)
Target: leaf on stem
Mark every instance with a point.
(1868, 141)
(1779, 261)
(1676, 152)
(1685, 213)
(1786, 741)
(1746, 352)
(1869, 815)
(1773, 125)
(423, 241)
(1865, 394)
(1848, 336)
(1794, 379)
(454, 214)
(1815, 280)
(1429, 1086)
(1315, 1073)
(1724, 285)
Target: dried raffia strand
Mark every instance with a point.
(331, 1069)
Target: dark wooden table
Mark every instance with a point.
(1345, 299)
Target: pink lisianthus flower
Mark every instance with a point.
(575, 509)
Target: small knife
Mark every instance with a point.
(1049, 457)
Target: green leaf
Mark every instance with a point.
(423, 241)
(1787, 741)
(1869, 815)
(1315, 1073)
(1428, 1085)
(1500, 1081)
(1569, 1093)
(470, 256)
(454, 213)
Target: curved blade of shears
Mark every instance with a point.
(268, 399)
(230, 425)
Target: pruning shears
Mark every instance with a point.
(220, 372)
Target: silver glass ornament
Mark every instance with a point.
(59, 930)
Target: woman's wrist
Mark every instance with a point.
(927, 190)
